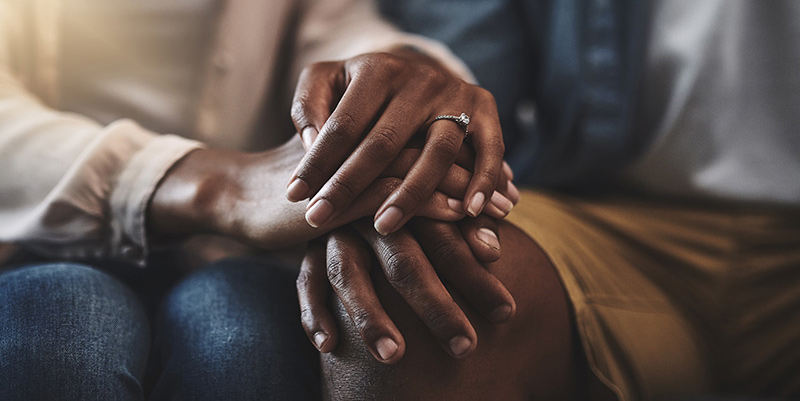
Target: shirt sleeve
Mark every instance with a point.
(339, 29)
(71, 187)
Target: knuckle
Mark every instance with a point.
(308, 71)
(307, 316)
(303, 280)
(446, 147)
(320, 67)
(490, 175)
(387, 63)
(392, 184)
(298, 111)
(304, 106)
(403, 271)
(495, 146)
(414, 193)
(341, 126)
(337, 273)
(341, 188)
(445, 250)
(362, 319)
(485, 97)
(439, 318)
(430, 75)
(385, 142)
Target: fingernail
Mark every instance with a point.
(459, 345)
(386, 348)
(319, 339)
(388, 220)
(455, 204)
(476, 204)
(488, 237)
(502, 202)
(494, 211)
(308, 135)
(507, 169)
(297, 190)
(513, 192)
(319, 212)
(501, 313)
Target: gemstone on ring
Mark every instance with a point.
(462, 120)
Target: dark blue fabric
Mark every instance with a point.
(70, 332)
(574, 63)
(230, 331)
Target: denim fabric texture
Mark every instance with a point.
(229, 331)
(232, 331)
(70, 332)
(565, 74)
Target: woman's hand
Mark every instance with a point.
(355, 117)
(241, 195)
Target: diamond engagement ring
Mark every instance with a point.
(462, 120)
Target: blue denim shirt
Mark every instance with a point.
(565, 74)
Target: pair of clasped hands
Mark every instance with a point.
(370, 145)
(368, 125)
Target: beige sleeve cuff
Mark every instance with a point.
(133, 190)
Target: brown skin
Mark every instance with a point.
(532, 356)
(349, 145)
(346, 262)
(384, 99)
(243, 195)
(240, 195)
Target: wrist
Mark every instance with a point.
(187, 199)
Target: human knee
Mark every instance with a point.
(73, 300)
(531, 355)
(221, 294)
(70, 330)
(234, 328)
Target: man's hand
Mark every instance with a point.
(355, 117)
(457, 253)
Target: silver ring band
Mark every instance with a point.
(462, 120)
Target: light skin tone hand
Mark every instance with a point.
(382, 101)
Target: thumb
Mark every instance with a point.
(317, 90)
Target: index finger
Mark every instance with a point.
(361, 102)
(318, 88)
(348, 263)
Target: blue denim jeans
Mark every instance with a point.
(229, 331)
